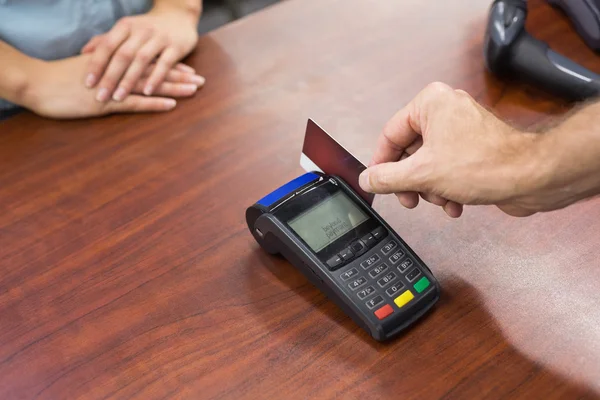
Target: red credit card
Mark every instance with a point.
(323, 153)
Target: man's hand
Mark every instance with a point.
(55, 92)
(119, 57)
(450, 150)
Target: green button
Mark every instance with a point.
(422, 284)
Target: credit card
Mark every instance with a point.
(323, 153)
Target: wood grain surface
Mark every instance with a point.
(126, 267)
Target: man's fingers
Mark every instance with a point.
(168, 89)
(412, 149)
(411, 200)
(394, 177)
(434, 199)
(119, 63)
(454, 210)
(142, 59)
(397, 135)
(414, 146)
(407, 124)
(451, 208)
(515, 211)
(166, 61)
(408, 199)
(92, 44)
(103, 53)
(136, 103)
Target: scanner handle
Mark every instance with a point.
(533, 61)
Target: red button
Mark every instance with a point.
(384, 311)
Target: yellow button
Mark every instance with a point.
(404, 298)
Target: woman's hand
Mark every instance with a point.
(55, 92)
(120, 57)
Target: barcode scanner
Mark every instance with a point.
(585, 15)
(510, 52)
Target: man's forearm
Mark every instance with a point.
(573, 151)
(15, 73)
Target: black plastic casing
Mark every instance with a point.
(585, 15)
(276, 237)
(511, 52)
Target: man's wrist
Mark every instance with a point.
(576, 148)
(534, 168)
(565, 168)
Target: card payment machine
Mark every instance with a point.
(320, 225)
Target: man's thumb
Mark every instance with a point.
(391, 177)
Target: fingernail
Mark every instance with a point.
(148, 90)
(198, 80)
(119, 94)
(90, 80)
(189, 87)
(169, 103)
(363, 181)
(102, 95)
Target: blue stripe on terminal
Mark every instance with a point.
(286, 189)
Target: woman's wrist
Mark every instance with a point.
(188, 10)
(16, 80)
(32, 75)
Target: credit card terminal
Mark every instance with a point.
(323, 228)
